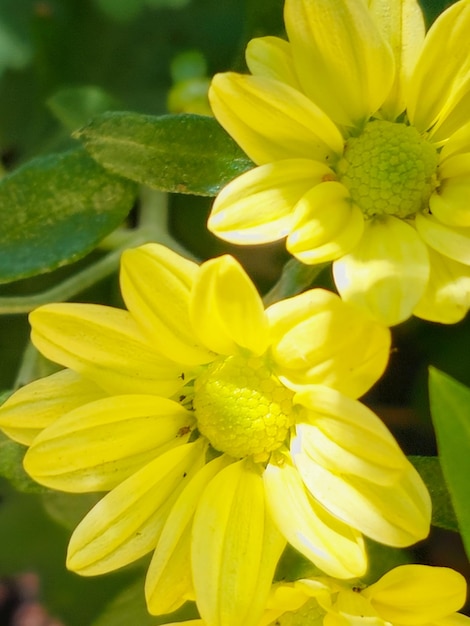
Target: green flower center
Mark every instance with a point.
(389, 169)
(242, 408)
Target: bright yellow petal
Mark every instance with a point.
(226, 311)
(343, 63)
(271, 121)
(413, 595)
(458, 143)
(100, 444)
(169, 578)
(441, 79)
(37, 405)
(272, 57)
(258, 206)
(235, 548)
(450, 204)
(447, 296)
(105, 345)
(332, 546)
(156, 283)
(127, 522)
(326, 224)
(452, 242)
(402, 26)
(317, 339)
(386, 274)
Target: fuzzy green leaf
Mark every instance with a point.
(176, 153)
(11, 466)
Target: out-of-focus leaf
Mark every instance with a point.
(15, 45)
(295, 278)
(55, 209)
(68, 509)
(75, 106)
(121, 10)
(450, 411)
(176, 153)
(11, 466)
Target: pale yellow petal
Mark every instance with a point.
(100, 444)
(402, 26)
(37, 405)
(386, 274)
(317, 339)
(441, 79)
(343, 63)
(226, 310)
(272, 57)
(326, 224)
(156, 283)
(235, 548)
(450, 241)
(413, 595)
(447, 296)
(127, 522)
(332, 546)
(169, 578)
(450, 204)
(258, 206)
(105, 345)
(271, 121)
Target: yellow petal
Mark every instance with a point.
(169, 578)
(441, 79)
(317, 339)
(386, 274)
(226, 311)
(451, 242)
(235, 548)
(127, 522)
(447, 296)
(156, 283)
(417, 594)
(272, 57)
(332, 546)
(402, 26)
(37, 405)
(449, 204)
(100, 444)
(343, 63)
(326, 224)
(458, 143)
(105, 345)
(271, 121)
(258, 206)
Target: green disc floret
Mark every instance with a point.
(389, 169)
(242, 408)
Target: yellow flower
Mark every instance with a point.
(360, 128)
(220, 430)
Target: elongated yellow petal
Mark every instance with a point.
(458, 143)
(226, 311)
(318, 339)
(37, 405)
(332, 546)
(343, 63)
(386, 274)
(452, 242)
(235, 548)
(326, 224)
(127, 522)
(169, 577)
(258, 206)
(417, 594)
(402, 26)
(271, 121)
(156, 283)
(105, 345)
(272, 57)
(450, 204)
(76, 452)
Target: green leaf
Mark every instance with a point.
(75, 106)
(56, 209)
(11, 466)
(295, 278)
(450, 411)
(176, 153)
(429, 468)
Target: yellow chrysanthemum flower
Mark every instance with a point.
(220, 429)
(408, 595)
(360, 128)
